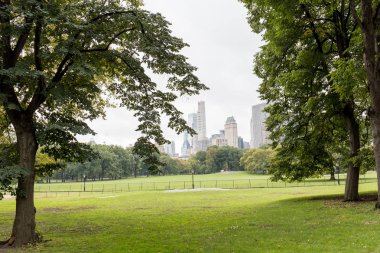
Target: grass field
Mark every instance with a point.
(299, 219)
(235, 180)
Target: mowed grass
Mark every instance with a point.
(232, 180)
(302, 219)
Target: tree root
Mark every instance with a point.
(8, 243)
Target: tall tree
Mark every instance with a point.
(60, 63)
(309, 110)
(370, 27)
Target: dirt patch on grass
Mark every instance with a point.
(338, 201)
(64, 209)
(54, 209)
(84, 227)
(197, 190)
(298, 193)
(371, 222)
(107, 197)
(7, 197)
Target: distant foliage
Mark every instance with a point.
(257, 160)
(216, 159)
(114, 162)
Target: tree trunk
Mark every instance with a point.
(332, 174)
(352, 181)
(375, 124)
(24, 224)
(375, 127)
(63, 175)
(370, 25)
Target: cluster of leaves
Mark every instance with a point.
(313, 79)
(216, 159)
(257, 160)
(9, 171)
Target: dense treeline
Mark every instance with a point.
(115, 162)
(216, 159)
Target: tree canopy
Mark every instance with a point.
(62, 62)
(215, 159)
(314, 82)
(257, 160)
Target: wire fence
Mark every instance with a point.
(69, 189)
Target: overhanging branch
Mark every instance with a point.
(109, 43)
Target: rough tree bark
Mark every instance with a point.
(352, 181)
(23, 231)
(369, 24)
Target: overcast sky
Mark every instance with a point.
(222, 47)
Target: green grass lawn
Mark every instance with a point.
(301, 219)
(236, 180)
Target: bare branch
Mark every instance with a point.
(38, 96)
(22, 39)
(109, 14)
(355, 13)
(109, 43)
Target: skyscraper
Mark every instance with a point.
(230, 131)
(186, 147)
(197, 121)
(201, 121)
(218, 139)
(240, 142)
(192, 121)
(188, 144)
(259, 134)
(168, 148)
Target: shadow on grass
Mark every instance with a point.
(367, 199)
(364, 197)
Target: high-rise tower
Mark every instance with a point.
(187, 144)
(197, 121)
(259, 134)
(201, 121)
(193, 123)
(230, 131)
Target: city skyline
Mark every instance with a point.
(224, 63)
(228, 136)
